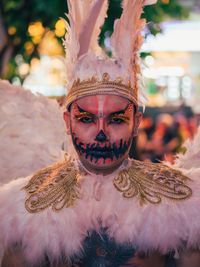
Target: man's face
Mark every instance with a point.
(102, 128)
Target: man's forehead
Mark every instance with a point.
(102, 103)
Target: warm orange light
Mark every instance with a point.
(36, 29)
(35, 64)
(23, 69)
(29, 47)
(49, 45)
(11, 30)
(165, 1)
(37, 39)
(60, 28)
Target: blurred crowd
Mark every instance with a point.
(162, 136)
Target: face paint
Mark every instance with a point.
(129, 109)
(94, 151)
(101, 127)
(101, 137)
(82, 115)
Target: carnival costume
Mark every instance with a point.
(66, 214)
(28, 142)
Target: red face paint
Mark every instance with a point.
(102, 130)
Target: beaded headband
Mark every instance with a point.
(94, 86)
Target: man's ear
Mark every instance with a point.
(137, 120)
(66, 117)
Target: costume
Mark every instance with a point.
(28, 141)
(121, 208)
(67, 214)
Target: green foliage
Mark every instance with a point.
(21, 13)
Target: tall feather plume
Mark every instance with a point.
(91, 29)
(85, 17)
(126, 39)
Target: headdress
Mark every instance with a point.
(89, 70)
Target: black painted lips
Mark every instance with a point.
(94, 150)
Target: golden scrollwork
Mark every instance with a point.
(56, 186)
(150, 182)
(95, 86)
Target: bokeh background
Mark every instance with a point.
(31, 33)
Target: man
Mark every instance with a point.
(102, 132)
(99, 208)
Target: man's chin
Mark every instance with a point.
(101, 165)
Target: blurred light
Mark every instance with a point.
(187, 81)
(35, 64)
(16, 81)
(156, 100)
(36, 29)
(11, 30)
(46, 76)
(24, 69)
(165, 2)
(173, 82)
(37, 39)
(154, 73)
(19, 59)
(176, 36)
(60, 28)
(171, 71)
(149, 60)
(107, 44)
(56, 63)
(186, 87)
(29, 47)
(150, 73)
(172, 92)
(161, 81)
(49, 45)
(16, 40)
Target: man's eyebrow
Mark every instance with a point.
(81, 110)
(122, 111)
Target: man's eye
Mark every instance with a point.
(117, 120)
(85, 119)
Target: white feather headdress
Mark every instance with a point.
(89, 70)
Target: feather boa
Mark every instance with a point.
(191, 158)
(163, 227)
(29, 139)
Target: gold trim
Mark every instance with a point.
(56, 186)
(94, 86)
(150, 182)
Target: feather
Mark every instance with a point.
(91, 28)
(126, 46)
(32, 132)
(191, 158)
(164, 227)
(127, 40)
(85, 17)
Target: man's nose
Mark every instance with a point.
(101, 137)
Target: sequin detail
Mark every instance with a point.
(150, 182)
(56, 186)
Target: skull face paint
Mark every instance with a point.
(102, 128)
(93, 151)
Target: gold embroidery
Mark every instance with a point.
(56, 186)
(95, 86)
(149, 182)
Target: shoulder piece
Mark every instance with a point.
(149, 182)
(56, 186)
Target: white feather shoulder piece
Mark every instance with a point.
(163, 227)
(32, 132)
(191, 158)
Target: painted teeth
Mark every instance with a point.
(96, 151)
